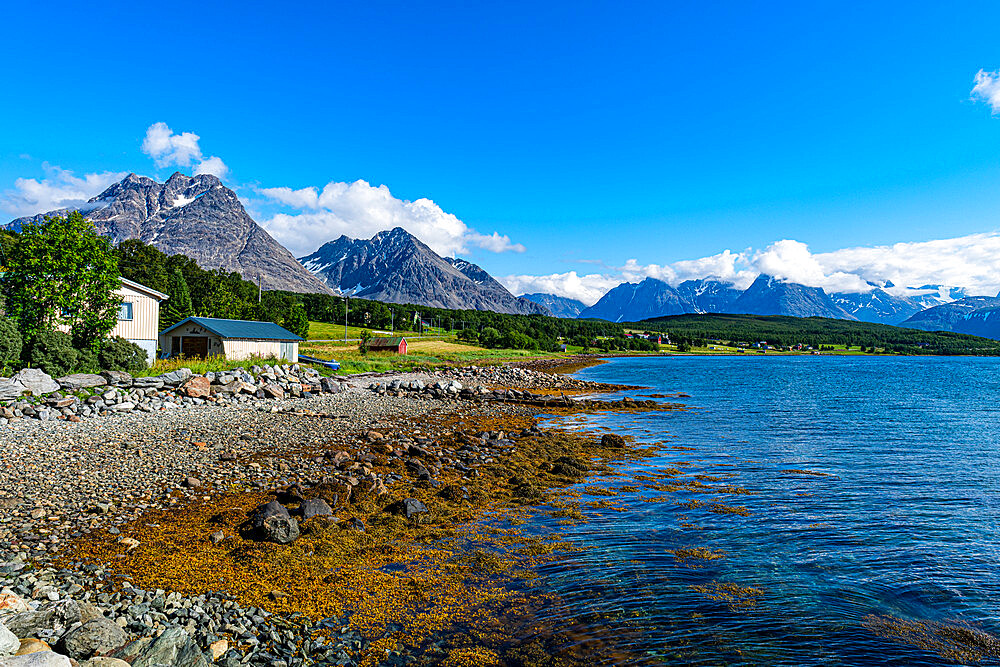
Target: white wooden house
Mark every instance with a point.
(139, 316)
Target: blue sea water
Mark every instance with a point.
(905, 523)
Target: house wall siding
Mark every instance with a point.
(145, 322)
(244, 348)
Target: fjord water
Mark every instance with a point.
(905, 523)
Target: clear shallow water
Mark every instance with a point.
(906, 524)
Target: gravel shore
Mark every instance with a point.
(61, 480)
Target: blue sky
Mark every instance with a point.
(580, 131)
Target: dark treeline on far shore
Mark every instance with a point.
(485, 328)
(817, 332)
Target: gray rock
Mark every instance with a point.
(315, 507)
(10, 390)
(40, 659)
(177, 377)
(79, 381)
(174, 647)
(123, 407)
(410, 507)
(49, 619)
(153, 382)
(99, 635)
(35, 381)
(272, 522)
(117, 378)
(9, 642)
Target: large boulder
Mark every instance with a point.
(173, 647)
(198, 387)
(177, 377)
(10, 390)
(35, 381)
(49, 620)
(78, 381)
(273, 522)
(99, 635)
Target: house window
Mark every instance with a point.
(125, 312)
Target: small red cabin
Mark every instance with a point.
(396, 344)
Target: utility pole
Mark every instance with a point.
(345, 318)
(392, 321)
(260, 290)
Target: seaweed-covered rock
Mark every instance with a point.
(612, 440)
(273, 522)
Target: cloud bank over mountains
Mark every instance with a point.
(967, 261)
(360, 210)
(60, 188)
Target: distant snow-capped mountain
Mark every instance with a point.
(877, 306)
(708, 295)
(396, 267)
(560, 306)
(770, 296)
(960, 316)
(631, 302)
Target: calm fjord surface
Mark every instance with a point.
(907, 522)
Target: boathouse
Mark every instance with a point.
(201, 337)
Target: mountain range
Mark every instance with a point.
(199, 217)
(396, 267)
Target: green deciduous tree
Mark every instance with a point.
(296, 320)
(62, 272)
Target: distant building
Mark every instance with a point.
(233, 339)
(395, 344)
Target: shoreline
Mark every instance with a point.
(361, 439)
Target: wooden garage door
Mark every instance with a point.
(195, 347)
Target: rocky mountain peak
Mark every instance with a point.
(396, 267)
(199, 217)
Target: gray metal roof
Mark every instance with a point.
(239, 328)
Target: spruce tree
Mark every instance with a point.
(179, 305)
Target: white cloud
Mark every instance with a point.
(59, 189)
(967, 261)
(179, 150)
(987, 88)
(360, 210)
(588, 288)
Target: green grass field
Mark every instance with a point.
(422, 353)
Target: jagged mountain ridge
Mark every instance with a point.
(770, 296)
(560, 306)
(199, 217)
(396, 267)
(877, 306)
(631, 302)
(708, 295)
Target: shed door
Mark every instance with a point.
(195, 346)
(287, 350)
